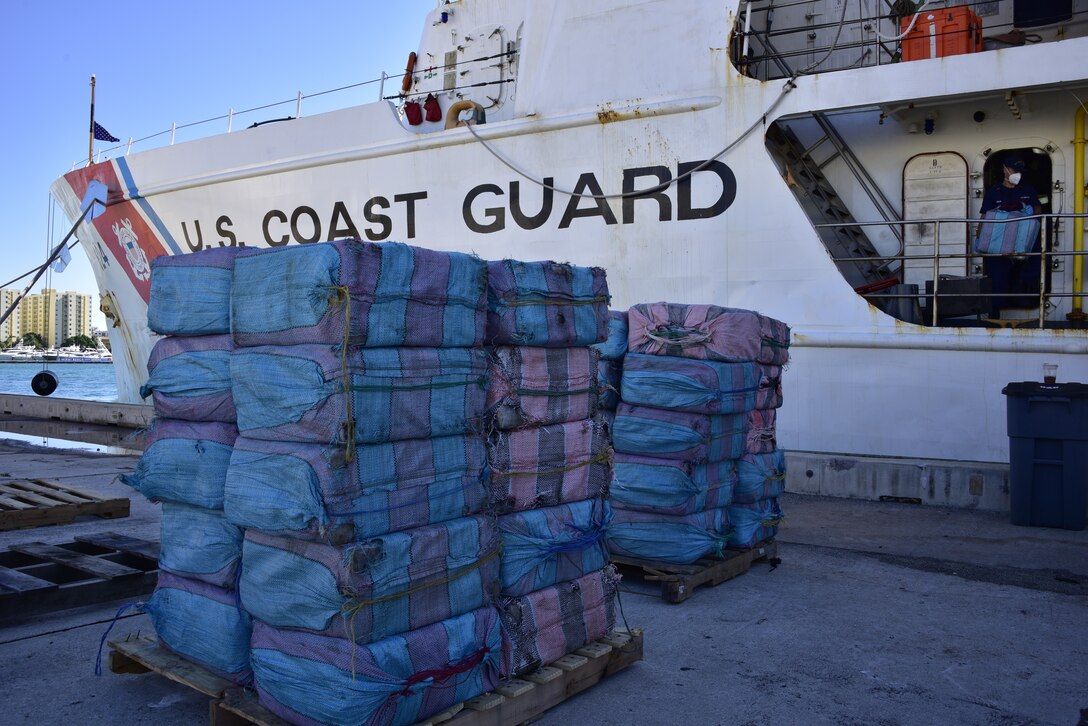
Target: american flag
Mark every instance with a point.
(101, 134)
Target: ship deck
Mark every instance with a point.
(877, 613)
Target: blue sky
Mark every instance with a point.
(158, 63)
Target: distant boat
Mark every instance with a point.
(75, 354)
(20, 354)
(67, 354)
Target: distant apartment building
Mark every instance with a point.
(10, 328)
(75, 316)
(56, 317)
(40, 315)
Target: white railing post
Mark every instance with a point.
(230, 119)
(173, 130)
(747, 29)
(381, 87)
(1042, 272)
(936, 268)
(129, 147)
(298, 107)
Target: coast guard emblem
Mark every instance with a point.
(137, 260)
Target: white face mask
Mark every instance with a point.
(1014, 178)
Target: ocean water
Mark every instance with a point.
(86, 381)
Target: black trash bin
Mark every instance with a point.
(1048, 454)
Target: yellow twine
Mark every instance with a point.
(353, 607)
(598, 459)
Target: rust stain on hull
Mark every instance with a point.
(607, 113)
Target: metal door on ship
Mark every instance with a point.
(935, 186)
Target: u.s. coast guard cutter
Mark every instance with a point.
(722, 153)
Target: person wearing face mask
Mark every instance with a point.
(1011, 195)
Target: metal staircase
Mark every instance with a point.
(823, 205)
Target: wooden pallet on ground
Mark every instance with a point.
(526, 699)
(144, 654)
(39, 502)
(678, 582)
(38, 578)
(514, 702)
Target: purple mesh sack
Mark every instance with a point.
(369, 590)
(754, 523)
(546, 304)
(190, 293)
(761, 436)
(686, 384)
(312, 492)
(314, 680)
(678, 540)
(769, 394)
(184, 462)
(305, 393)
(539, 386)
(543, 626)
(707, 332)
(760, 476)
(609, 375)
(541, 547)
(668, 486)
(200, 544)
(549, 465)
(666, 434)
(377, 294)
(189, 378)
(202, 623)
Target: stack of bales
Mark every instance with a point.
(697, 467)
(359, 475)
(610, 367)
(550, 458)
(184, 465)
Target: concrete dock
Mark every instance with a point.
(879, 613)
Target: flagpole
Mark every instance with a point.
(90, 140)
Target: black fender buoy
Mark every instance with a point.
(44, 383)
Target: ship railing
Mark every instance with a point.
(871, 35)
(124, 148)
(1050, 259)
(329, 104)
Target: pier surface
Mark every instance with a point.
(878, 613)
(69, 419)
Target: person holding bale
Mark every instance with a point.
(1011, 198)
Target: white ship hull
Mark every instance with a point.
(596, 92)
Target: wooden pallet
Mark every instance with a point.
(516, 701)
(38, 502)
(37, 578)
(678, 582)
(144, 654)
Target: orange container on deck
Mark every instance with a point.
(940, 33)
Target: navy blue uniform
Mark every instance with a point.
(1006, 273)
(1010, 200)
